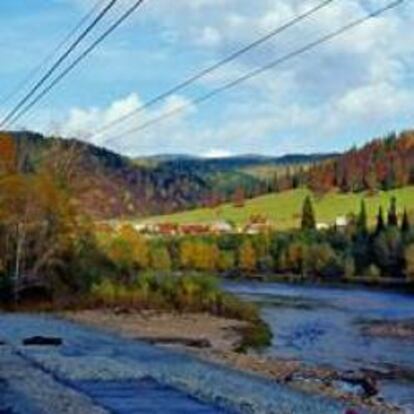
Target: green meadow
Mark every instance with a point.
(284, 209)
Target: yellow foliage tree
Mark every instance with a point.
(187, 251)
(160, 259)
(199, 255)
(38, 224)
(128, 250)
(295, 256)
(247, 257)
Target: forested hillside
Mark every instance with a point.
(107, 185)
(382, 164)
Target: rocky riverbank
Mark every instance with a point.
(215, 340)
(392, 329)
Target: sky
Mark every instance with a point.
(344, 93)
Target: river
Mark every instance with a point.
(96, 372)
(322, 325)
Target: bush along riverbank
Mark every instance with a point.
(189, 293)
(184, 294)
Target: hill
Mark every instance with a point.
(253, 174)
(105, 184)
(382, 164)
(284, 209)
(108, 185)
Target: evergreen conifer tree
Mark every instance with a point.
(392, 213)
(308, 215)
(362, 221)
(405, 224)
(380, 222)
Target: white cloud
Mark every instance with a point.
(217, 153)
(209, 37)
(84, 123)
(359, 78)
(374, 102)
(81, 122)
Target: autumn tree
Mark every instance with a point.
(227, 261)
(8, 155)
(160, 258)
(247, 257)
(38, 221)
(381, 164)
(239, 197)
(320, 259)
(199, 255)
(128, 251)
(186, 253)
(295, 257)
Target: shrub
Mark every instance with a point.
(373, 273)
(192, 292)
(247, 257)
(349, 267)
(409, 259)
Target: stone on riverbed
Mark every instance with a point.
(367, 384)
(42, 341)
(170, 340)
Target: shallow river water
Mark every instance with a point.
(321, 325)
(100, 373)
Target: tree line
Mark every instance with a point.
(383, 164)
(354, 251)
(44, 239)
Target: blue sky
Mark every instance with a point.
(344, 93)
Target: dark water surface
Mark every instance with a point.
(322, 325)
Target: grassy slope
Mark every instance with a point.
(284, 208)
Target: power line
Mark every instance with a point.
(217, 65)
(50, 56)
(259, 71)
(77, 60)
(62, 58)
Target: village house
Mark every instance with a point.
(221, 227)
(258, 224)
(322, 226)
(167, 229)
(194, 229)
(341, 222)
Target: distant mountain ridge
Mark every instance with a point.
(241, 160)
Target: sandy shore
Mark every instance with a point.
(214, 339)
(220, 334)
